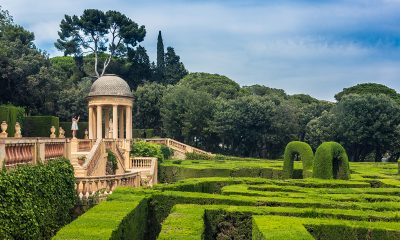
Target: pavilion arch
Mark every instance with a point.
(331, 162)
(300, 150)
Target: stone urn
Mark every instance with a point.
(53, 132)
(17, 130)
(4, 127)
(61, 133)
(81, 160)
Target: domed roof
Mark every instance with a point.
(110, 85)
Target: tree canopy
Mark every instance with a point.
(95, 32)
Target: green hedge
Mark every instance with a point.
(143, 133)
(331, 162)
(79, 134)
(11, 115)
(112, 219)
(35, 201)
(39, 126)
(301, 150)
(146, 149)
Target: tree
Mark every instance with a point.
(367, 123)
(160, 56)
(369, 88)
(214, 84)
(174, 69)
(139, 68)
(97, 32)
(320, 129)
(186, 114)
(147, 106)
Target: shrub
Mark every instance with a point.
(11, 115)
(331, 162)
(198, 156)
(39, 126)
(36, 200)
(297, 149)
(167, 152)
(112, 164)
(81, 131)
(145, 149)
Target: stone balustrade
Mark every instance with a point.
(142, 162)
(104, 185)
(85, 145)
(19, 151)
(94, 156)
(179, 147)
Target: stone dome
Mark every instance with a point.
(110, 85)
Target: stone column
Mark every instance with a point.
(115, 121)
(99, 123)
(107, 122)
(94, 123)
(121, 123)
(90, 128)
(128, 122)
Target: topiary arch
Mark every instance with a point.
(297, 149)
(331, 162)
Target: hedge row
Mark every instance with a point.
(35, 201)
(278, 227)
(11, 115)
(39, 126)
(112, 219)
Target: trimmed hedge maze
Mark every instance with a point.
(258, 204)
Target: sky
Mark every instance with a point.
(312, 47)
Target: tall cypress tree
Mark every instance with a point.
(160, 54)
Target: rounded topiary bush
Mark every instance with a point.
(299, 150)
(331, 162)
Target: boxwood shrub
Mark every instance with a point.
(35, 201)
(146, 149)
(331, 162)
(39, 126)
(297, 149)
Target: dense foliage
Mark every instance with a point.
(35, 201)
(145, 149)
(39, 126)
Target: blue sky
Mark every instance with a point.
(312, 47)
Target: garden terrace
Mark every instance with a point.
(248, 207)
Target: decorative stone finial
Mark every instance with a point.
(17, 130)
(61, 133)
(86, 134)
(4, 127)
(53, 132)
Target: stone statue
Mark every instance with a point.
(110, 129)
(86, 134)
(61, 133)
(17, 130)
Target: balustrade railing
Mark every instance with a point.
(19, 151)
(177, 146)
(87, 186)
(141, 162)
(54, 150)
(85, 145)
(94, 156)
